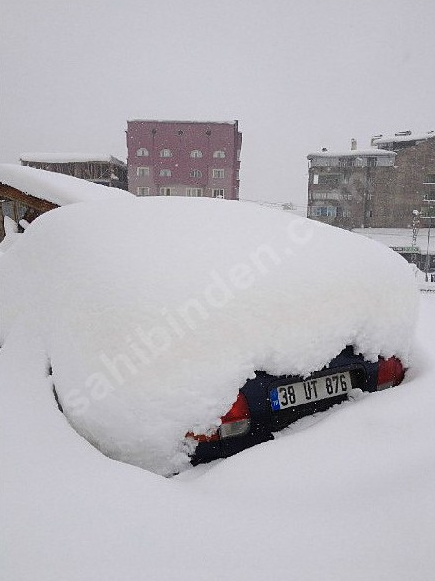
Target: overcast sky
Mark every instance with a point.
(297, 74)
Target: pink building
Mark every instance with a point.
(184, 158)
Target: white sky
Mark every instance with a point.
(297, 74)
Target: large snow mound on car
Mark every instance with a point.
(153, 312)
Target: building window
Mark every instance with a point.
(346, 214)
(219, 154)
(329, 179)
(369, 214)
(324, 211)
(238, 155)
(194, 192)
(165, 173)
(165, 153)
(142, 152)
(372, 161)
(196, 153)
(430, 178)
(166, 191)
(348, 161)
(196, 173)
(429, 196)
(142, 171)
(328, 196)
(143, 191)
(218, 193)
(218, 173)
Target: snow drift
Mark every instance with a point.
(153, 312)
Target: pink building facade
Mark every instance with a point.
(184, 158)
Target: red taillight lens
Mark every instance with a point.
(239, 411)
(390, 372)
(235, 423)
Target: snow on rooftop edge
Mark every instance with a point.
(399, 237)
(373, 152)
(70, 157)
(400, 138)
(151, 332)
(54, 187)
(233, 122)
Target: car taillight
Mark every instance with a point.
(235, 423)
(390, 372)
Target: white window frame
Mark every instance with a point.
(165, 153)
(195, 173)
(196, 153)
(219, 154)
(165, 191)
(142, 191)
(143, 171)
(142, 152)
(218, 193)
(331, 211)
(218, 173)
(194, 192)
(165, 173)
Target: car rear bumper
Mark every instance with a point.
(265, 421)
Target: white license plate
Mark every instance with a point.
(310, 391)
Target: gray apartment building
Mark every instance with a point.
(184, 158)
(379, 187)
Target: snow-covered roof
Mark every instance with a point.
(372, 152)
(233, 122)
(70, 157)
(399, 238)
(406, 136)
(54, 187)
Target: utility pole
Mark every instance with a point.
(426, 270)
(415, 227)
(428, 215)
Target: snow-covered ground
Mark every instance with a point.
(348, 495)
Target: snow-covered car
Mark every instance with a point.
(181, 329)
